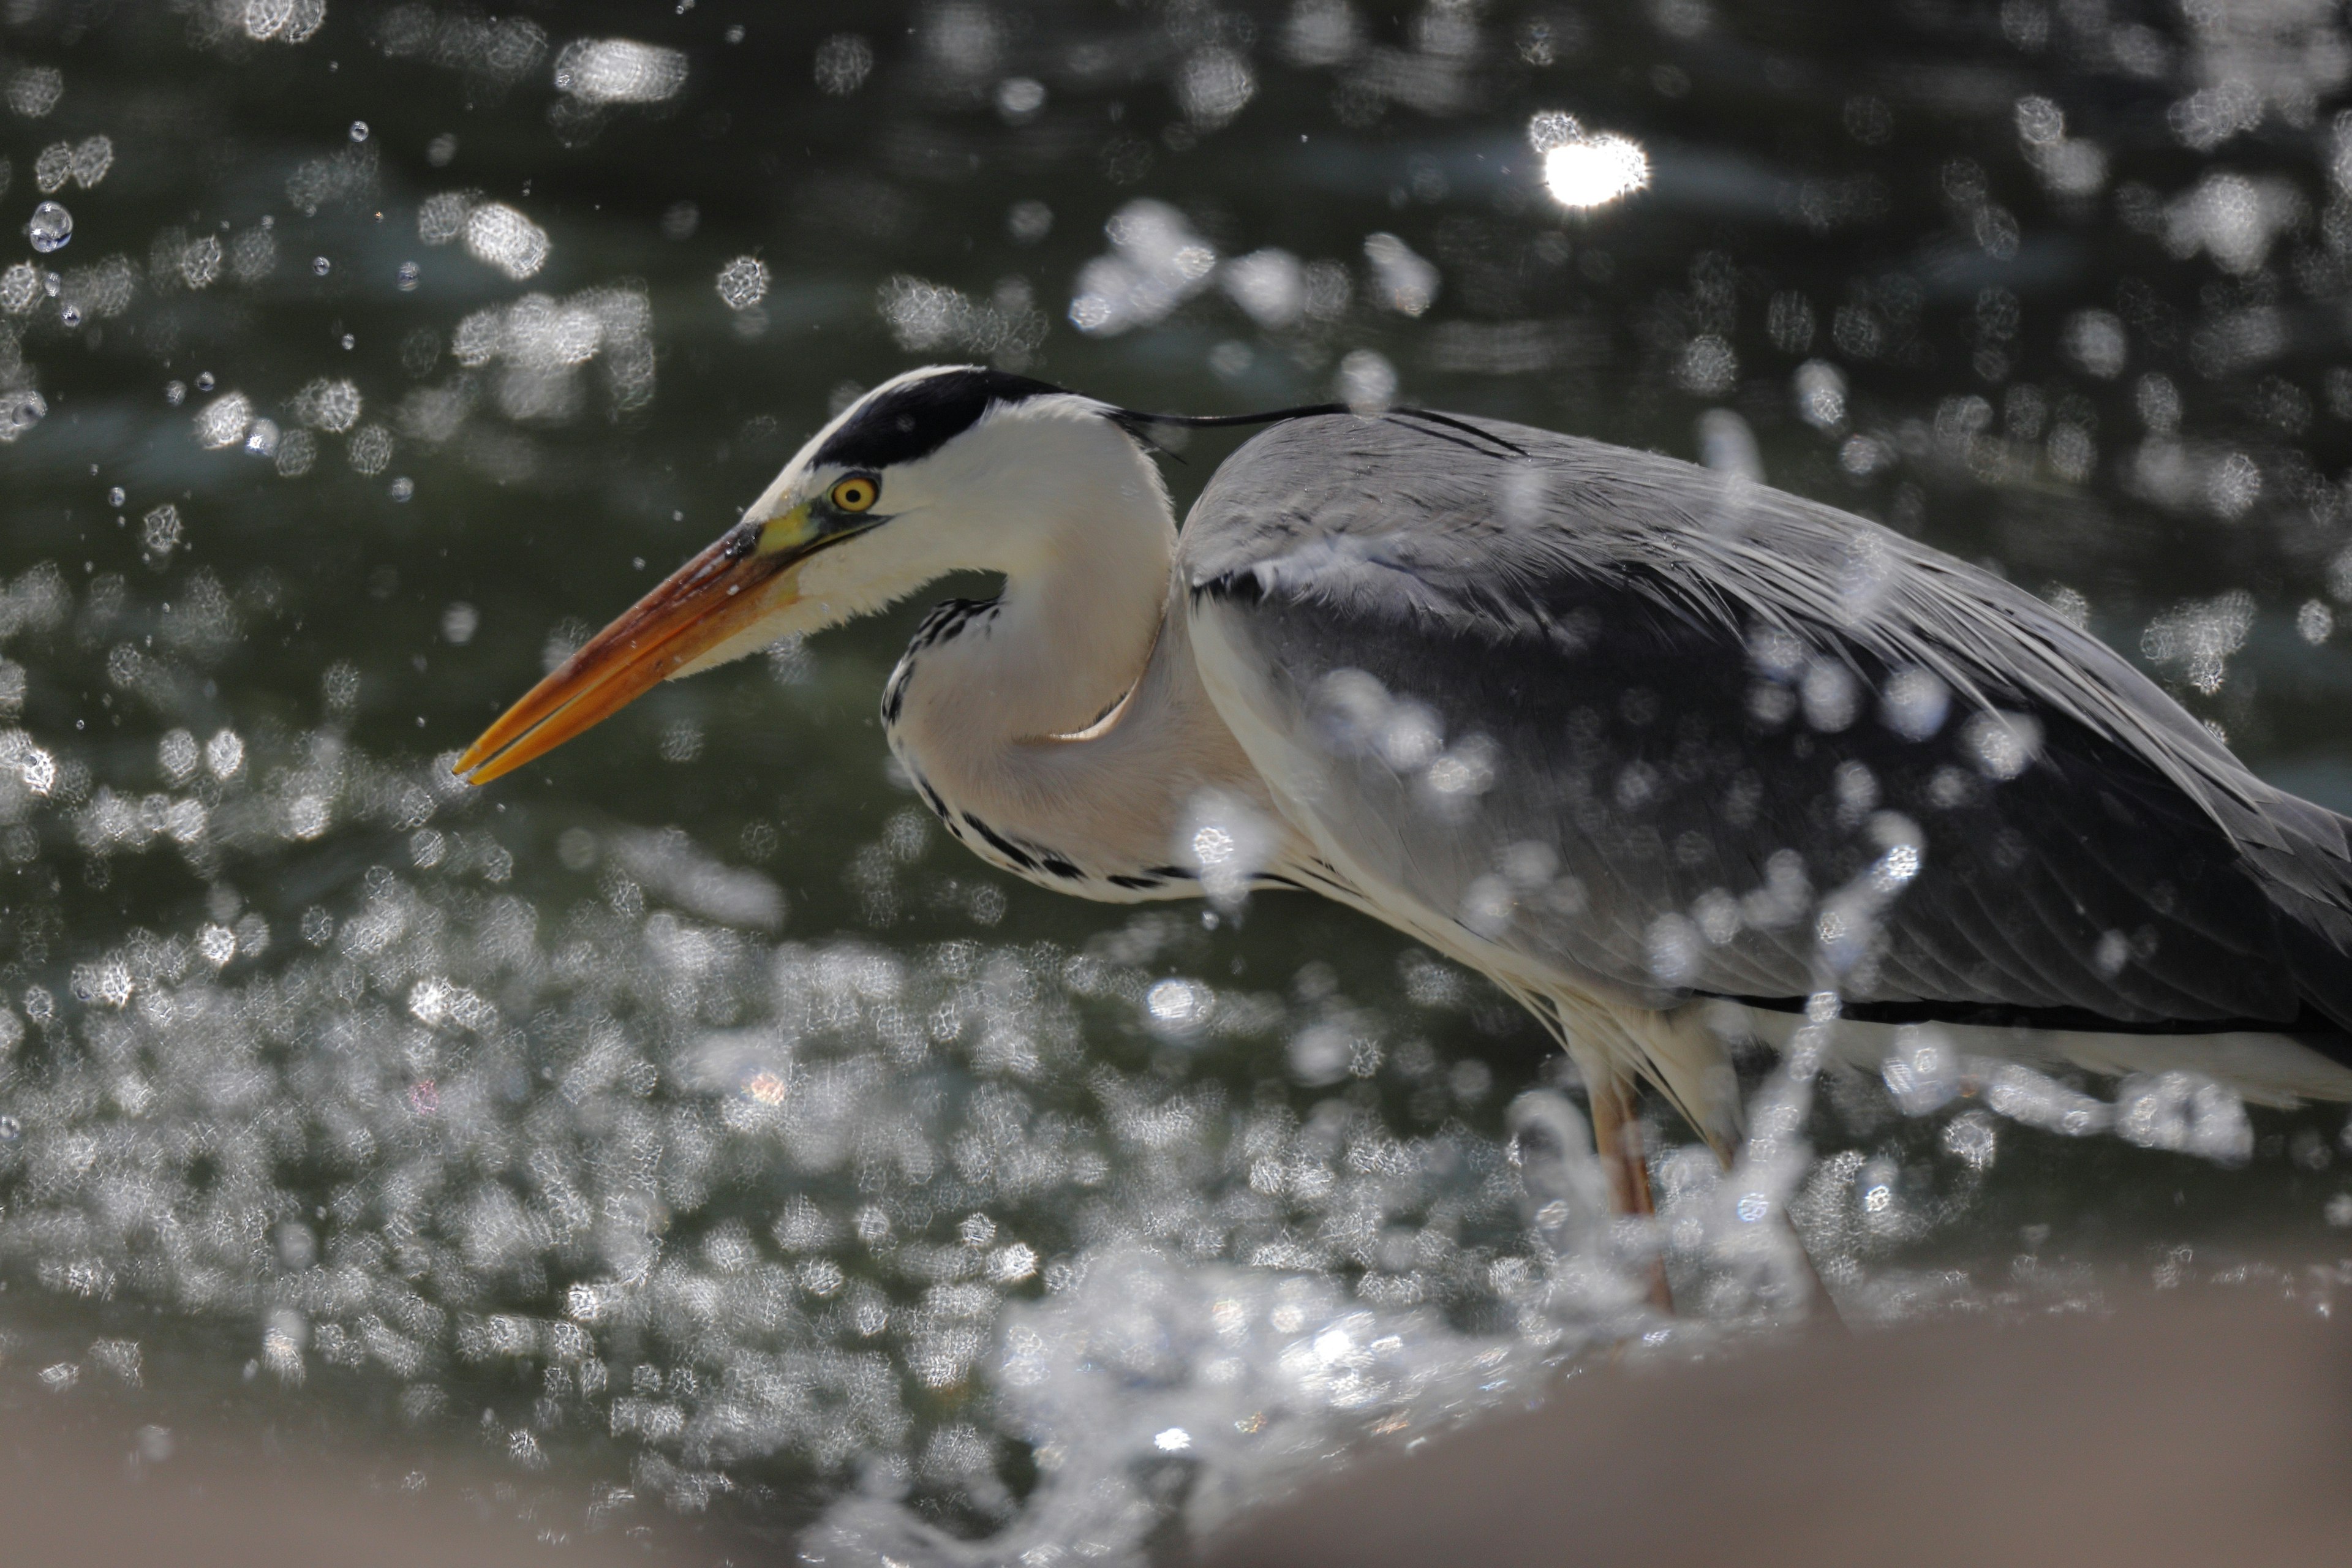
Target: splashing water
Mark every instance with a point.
(739, 1199)
(684, 1107)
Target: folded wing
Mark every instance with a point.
(1665, 735)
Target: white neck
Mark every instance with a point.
(1085, 582)
(1004, 718)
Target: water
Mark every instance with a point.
(684, 1127)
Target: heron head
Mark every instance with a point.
(942, 470)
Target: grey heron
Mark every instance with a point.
(1638, 742)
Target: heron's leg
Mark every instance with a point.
(1617, 1138)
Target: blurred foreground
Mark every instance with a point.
(2184, 1431)
(2204, 1431)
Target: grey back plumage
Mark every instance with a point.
(1676, 734)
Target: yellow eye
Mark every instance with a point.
(855, 493)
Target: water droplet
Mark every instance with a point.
(204, 380)
(69, 314)
(10, 1130)
(321, 266)
(51, 226)
(1582, 169)
(359, 131)
(409, 273)
(1018, 98)
(1367, 381)
(20, 410)
(1029, 221)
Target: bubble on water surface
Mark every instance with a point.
(1212, 85)
(1404, 281)
(743, 282)
(2233, 218)
(1157, 261)
(281, 21)
(369, 450)
(297, 451)
(619, 70)
(1029, 221)
(1820, 388)
(1708, 366)
(224, 421)
(542, 345)
(1366, 381)
(842, 64)
(924, 316)
(442, 218)
(2196, 638)
(1020, 99)
(1914, 703)
(1178, 1007)
(1582, 169)
(1727, 443)
(1830, 693)
(93, 157)
(1269, 285)
(503, 237)
(328, 405)
(2095, 341)
(20, 288)
(2001, 745)
(159, 530)
(34, 90)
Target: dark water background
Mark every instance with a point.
(2082, 275)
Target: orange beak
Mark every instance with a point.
(719, 594)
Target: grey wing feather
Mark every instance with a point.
(1677, 734)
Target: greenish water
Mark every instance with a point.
(683, 1115)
